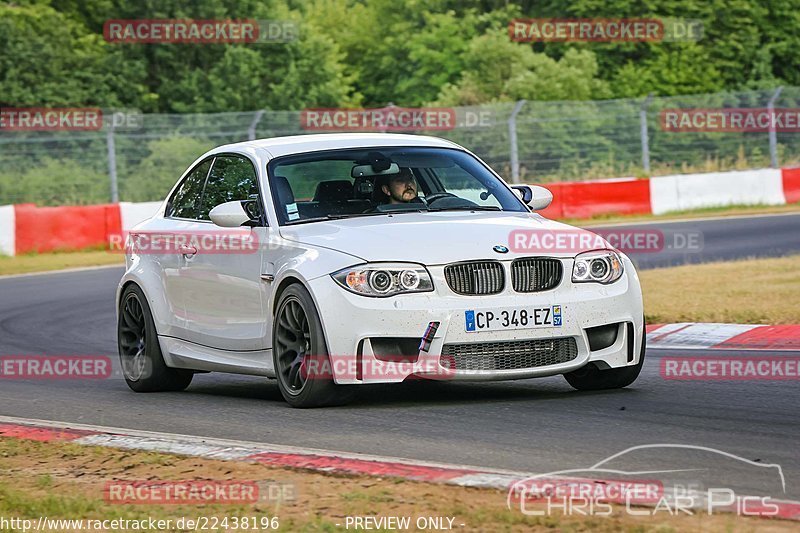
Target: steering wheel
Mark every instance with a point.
(438, 196)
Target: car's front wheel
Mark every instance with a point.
(143, 365)
(302, 365)
(590, 377)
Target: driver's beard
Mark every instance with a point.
(401, 198)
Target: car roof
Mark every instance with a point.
(280, 146)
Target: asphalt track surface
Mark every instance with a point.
(539, 425)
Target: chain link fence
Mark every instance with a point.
(530, 142)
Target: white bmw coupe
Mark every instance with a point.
(327, 261)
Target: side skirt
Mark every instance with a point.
(183, 354)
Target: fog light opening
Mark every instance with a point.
(601, 337)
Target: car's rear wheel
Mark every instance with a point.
(143, 365)
(590, 377)
(300, 354)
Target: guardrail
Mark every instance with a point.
(26, 228)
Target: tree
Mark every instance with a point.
(497, 69)
(49, 59)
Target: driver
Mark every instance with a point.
(398, 188)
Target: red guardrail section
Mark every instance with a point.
(584, 199)
(791, 184)
(47, 229)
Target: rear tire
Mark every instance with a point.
(300, 353)
(143, 365)
(590, 377)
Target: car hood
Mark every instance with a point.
(446, 237)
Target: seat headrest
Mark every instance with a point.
(333, 191)
(363, 188)
(283, 190)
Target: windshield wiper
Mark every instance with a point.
(329, 217)
(467, 208)
(336, 216)
(375, 213)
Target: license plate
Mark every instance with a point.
(516, 318)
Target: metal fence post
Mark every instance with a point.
(251, 131)
(112, 162)
(643, 133)
(773, 137)
(512, 138)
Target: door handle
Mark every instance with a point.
(187, 250)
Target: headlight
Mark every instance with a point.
(377, 279)
(600, 266)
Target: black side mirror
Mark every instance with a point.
(527, 193)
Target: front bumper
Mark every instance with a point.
(350, 322)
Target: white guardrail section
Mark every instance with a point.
(7, 230)
(716, 189)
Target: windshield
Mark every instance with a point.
(375, 181)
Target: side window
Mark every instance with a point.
(186, 199)
(232, 178)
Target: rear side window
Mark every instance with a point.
(232, 178)
(186, 200)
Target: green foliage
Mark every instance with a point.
(500, 70)
(685, 69)
(49, 59)
(155, 174)
(55, 182)
(373, 52)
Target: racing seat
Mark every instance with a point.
(335, 197)
(333, 191)
(285, 196)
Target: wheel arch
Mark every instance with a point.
(285, 282)
(157, 307)
(123, 286)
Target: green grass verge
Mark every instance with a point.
(708, 212)
(29, 263)
(753, 291)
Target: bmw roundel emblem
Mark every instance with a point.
(500, 249)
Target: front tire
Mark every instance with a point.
(143, 364)
(300, 353)
(590, 377)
